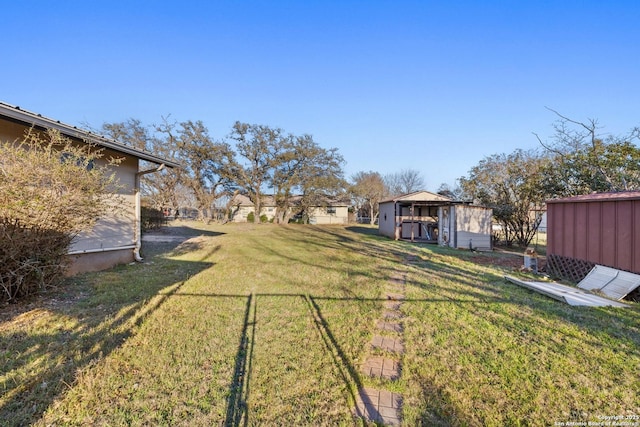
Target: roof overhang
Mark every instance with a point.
(28, 118)
(599, 197)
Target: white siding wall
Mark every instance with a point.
(321, 215)
(116, 229)
(387, 220)
(472, 227)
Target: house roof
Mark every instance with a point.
(28, 118)
(418, 196)
(268, 200)
(599, 197)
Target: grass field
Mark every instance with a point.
(266, 325)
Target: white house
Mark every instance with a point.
(330, 212)
(115, 239)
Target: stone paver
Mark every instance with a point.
(383, 406)
(385, 325)
(379, 406)
(395, 296)
(381, 367)
(392, 305)
(391, 344)
(392, 314)
(397, 280)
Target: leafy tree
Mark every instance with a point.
(207, 166)
(367, 190)
(584, 161)
(259, 146)
(512, 186)
(302, 166)
(50, 190)
(403, 182)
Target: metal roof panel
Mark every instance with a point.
(566, 294)
(612, 282)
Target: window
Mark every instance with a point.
(65, 157)
(331, 210)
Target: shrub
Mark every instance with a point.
(264, 218)
(151, 219)
(33, 258)
(251, 217)
(50, 190)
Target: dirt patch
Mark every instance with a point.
(508, 260)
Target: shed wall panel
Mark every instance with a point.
(387, 219)
(581, 239)
(605, 232)
(552, 228)
(635, 239)
(569, 230)
(624, 222)
(594, 243)
(608, 233)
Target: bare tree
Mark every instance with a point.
(403, 182)
(367, 190)
(587, 161)
(160, 189)
(452, 192)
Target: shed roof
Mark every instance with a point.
(418, 196)
(29, 118)
(599, 197)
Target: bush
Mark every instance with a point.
(151, 219)
(251, 217)
(51, 189)
(264, 218)
(32, 258)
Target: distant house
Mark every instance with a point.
(333, 211)
(116, 238)
(432, 218)
(602, 228)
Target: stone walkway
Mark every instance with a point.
(384, 360)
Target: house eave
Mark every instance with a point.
(32, 119)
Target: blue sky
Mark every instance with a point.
(430, 86)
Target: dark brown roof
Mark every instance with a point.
(599, 197)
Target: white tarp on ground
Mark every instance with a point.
(613, 283)
(567, 294)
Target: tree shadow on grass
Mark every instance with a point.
(85, 332)
(369, 231)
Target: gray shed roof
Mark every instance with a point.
(418, 196)
(37, 120)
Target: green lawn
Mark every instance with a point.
(267, 325)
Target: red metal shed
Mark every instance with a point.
(602, 228)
